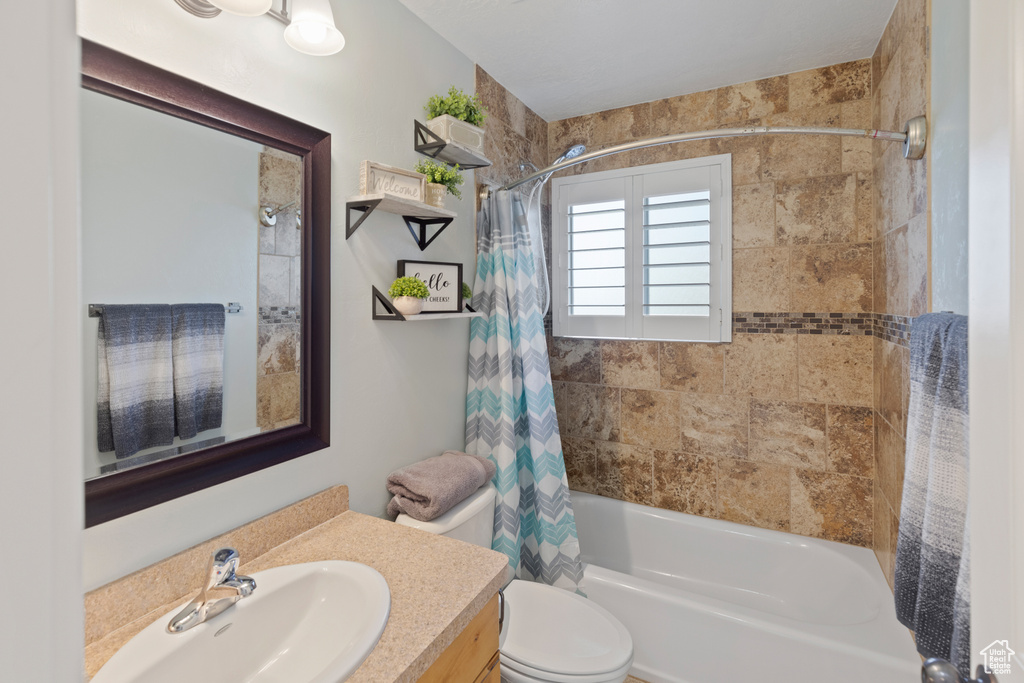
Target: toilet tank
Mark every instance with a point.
(471, 521)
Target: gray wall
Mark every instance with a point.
(947, 149)
(40, 415)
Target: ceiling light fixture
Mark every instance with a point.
(245, 8)
(309, 24)
(312, 28)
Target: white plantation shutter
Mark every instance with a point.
(591, 273)
(645, 253)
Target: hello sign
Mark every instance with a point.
(444, 280)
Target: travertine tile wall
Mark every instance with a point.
(798, 424)
(515, 133)
(900, 68)
(278, 383)
(775, 428)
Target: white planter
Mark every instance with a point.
(436, 193)
(450, 129)
(408, 305)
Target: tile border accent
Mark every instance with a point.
(270, 315)
(854, 324)
(891, 328)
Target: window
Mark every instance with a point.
(645, 252)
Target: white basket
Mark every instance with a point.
(450, 129)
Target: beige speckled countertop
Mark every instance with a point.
(437, 586)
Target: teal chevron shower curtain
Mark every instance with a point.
(510, 404)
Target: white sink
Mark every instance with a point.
(305, 623)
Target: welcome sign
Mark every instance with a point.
(377, 178)
(444, 280)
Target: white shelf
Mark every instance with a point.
(455, 153)
(379, 301)
(426, 141)
(440, 316)
(400, 205)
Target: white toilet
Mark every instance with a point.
(549, 634)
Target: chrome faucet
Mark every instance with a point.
(222, 589)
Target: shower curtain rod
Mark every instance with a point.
(913, 139)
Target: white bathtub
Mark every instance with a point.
(709, 601)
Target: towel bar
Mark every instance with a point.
(96, 310)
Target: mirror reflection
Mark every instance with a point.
(192, 249)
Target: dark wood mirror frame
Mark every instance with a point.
(125, 78)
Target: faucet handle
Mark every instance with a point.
(223, 564)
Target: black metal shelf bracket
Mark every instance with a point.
(429, 143)
(426, 141)
(390, 312)
(365, 207)
(412, 222)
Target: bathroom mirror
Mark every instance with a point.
(191, 196)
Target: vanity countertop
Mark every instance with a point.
(437, 586)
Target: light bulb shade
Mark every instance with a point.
(312, 30)
(245, 8)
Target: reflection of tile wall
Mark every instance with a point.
(775, 428)
(278, 386)
(900, 68)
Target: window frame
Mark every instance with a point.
(632, 185)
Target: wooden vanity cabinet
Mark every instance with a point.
(473, 655)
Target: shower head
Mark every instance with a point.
(571, 153)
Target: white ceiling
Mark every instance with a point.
(569, 57)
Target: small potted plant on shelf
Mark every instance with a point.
(441, 179)
(467, 293)
(457, 117)
(407, 294)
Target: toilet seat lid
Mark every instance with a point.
(551, 629)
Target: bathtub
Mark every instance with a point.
(708, 601)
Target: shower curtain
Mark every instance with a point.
(510, 406)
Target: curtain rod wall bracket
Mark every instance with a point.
(917, 138)
(913, 139)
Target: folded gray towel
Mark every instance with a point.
(429, 488)
(197, 344)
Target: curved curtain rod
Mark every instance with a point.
(913, 139)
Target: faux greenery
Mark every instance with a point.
(467, 293)
(457, 104)
(408, 286)
(442, 174)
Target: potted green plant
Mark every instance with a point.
(441, 179)
(407, 294)
(457, 117)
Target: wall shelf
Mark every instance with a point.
(428, 143)
(415, 214)
(391, 313)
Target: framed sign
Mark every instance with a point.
(444, 280)
(377, 178)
